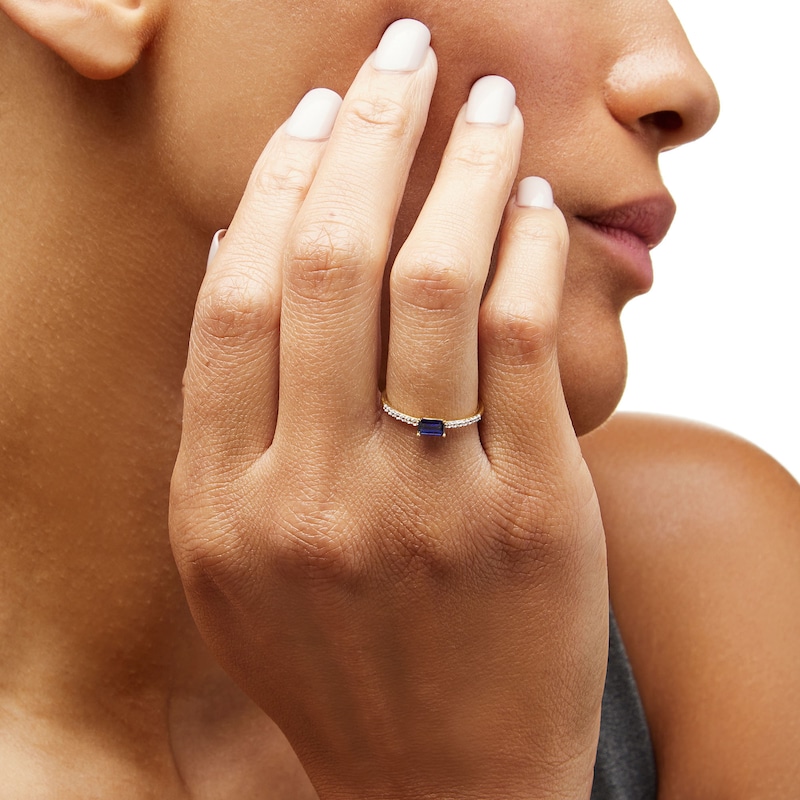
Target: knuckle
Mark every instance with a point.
(210, 551)
(381, 116)
(207, 567)
(434, 279)
(237, 306)
(327, 257)
(480, 156)
(524, 538)
(547, 231)
(285, 177)
(314, 545)
(521, 328)
(418, 555)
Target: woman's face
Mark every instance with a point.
(603, 86)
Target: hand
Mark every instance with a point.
(422, 617)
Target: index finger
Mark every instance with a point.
(231, 377)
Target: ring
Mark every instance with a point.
(431, 426)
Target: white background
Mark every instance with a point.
(717, 338)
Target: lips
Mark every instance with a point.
(627, 233)
(648, 220)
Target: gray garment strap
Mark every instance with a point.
(625, 768)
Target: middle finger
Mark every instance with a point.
(339, 243)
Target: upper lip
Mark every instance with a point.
(648, 219)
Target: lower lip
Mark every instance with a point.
(628, 250)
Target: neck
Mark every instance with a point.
(99, 278)
(105, 685)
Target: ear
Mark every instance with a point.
(100, 39)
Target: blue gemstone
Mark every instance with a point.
(431, 427)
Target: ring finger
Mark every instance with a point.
(438, 277)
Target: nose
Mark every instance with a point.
(660, 90)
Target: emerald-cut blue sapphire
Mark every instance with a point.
(431, 427)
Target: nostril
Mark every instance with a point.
(667, 121)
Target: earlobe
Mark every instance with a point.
(100, 39)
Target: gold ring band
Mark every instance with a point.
(431, 426)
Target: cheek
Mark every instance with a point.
(536, 48)
(221, 86)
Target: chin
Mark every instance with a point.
(594, 367)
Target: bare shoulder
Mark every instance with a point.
(703, 535)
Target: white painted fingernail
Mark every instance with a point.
(491, 101)
(534, 193)
(403, 47)
(314, 116)
(212, 251)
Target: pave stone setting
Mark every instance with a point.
(431, 426)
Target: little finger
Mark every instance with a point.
(526, 419)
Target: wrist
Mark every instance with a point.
(570, 780)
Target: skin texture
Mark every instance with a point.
(116, 187)
(386, 604)
(574, 106)
(704, 550)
